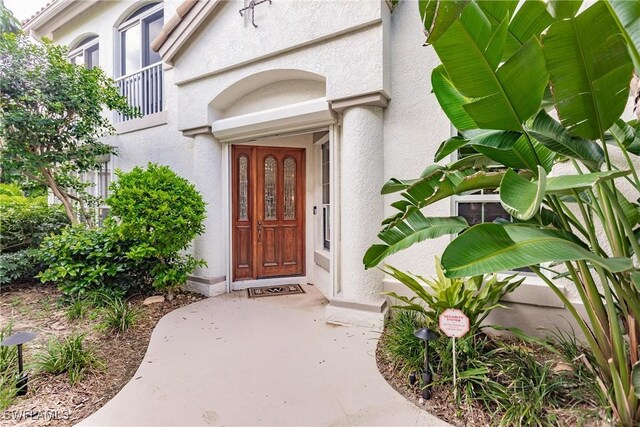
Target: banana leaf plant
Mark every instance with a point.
(529, 86)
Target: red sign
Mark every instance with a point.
(453, 323)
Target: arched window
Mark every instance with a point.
(135, 36)
(86, 53)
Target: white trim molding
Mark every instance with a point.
(146, 122)
(372, 99)
(274, 121)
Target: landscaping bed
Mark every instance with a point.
(470, 412)
(51, 399)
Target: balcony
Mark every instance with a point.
(143, 89)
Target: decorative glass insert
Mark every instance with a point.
(289, 188)
(243, 188)
(270, 173)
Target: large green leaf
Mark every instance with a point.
(450, 99)
(520, 197)
(411, 229)
(590, 71)
(565, 184)
(528, 21)
(439, 186)
(513, 149)
(504, 96)
(563, 9)
(450, 146)
(628, 134)
(438, 15)
(491, 248)
(627, 15)
(555, 137)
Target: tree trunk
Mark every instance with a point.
(64, 199)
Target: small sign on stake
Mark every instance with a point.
(454, 324)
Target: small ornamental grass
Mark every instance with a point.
(71, 355)
(405, 352)
(118, 315)
(78, 309)
(8, 369)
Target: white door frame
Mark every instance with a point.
(232, 285)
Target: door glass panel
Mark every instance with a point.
(270, 173)
(243, 188)
(289, 188)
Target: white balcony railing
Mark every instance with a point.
(143, 89)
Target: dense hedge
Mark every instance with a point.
(24, 223)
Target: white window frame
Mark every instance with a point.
(318, 205)
(87, 44)
(325, 214)
(128, 24)
(93, 177)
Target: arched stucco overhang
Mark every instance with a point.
(269, 102)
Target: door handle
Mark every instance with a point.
(259, 231)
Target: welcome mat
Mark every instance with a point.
(269, 291)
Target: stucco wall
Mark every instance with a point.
(414, 125)
(162, 144)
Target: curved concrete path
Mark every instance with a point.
(231, 360)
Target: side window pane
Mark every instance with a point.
(152, 29)
(326, 193)
(131, 50)
(472, 212)
(92, 59)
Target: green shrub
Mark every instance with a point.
(24, 222)
(71, 356)
(83, 261)
(155, 214)
(164, 213)
(10, 190)
(118, 315)
(403, 349)
(158, 207)
(19, 266)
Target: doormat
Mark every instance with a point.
(269, 291)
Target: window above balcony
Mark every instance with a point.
(139, 68)
(86, 52)
(135, 36)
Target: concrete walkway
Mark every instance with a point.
(231, 360)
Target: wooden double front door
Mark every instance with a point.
(268, 212)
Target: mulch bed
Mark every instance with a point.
(442, 403)
(51, 400)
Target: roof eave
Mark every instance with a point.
(55, 15)
(190, 15)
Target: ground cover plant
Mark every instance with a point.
(71, 356)
(502, 381)
(571, 184)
